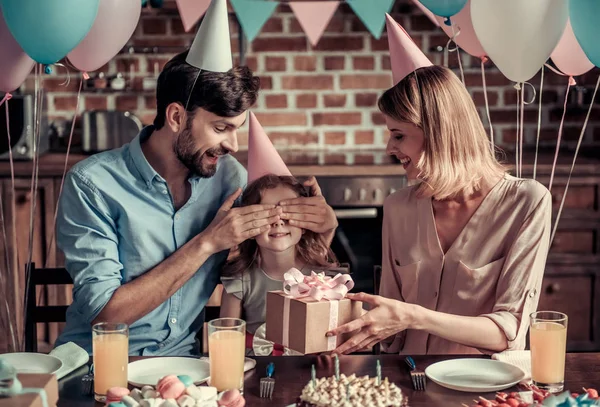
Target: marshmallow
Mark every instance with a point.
(129, 401)
(186, 401)
(169, 403)
(153, 402)
(136, 394)
(202, 393)
(149, 393)
(201, 403)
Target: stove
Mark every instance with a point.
(358, 205)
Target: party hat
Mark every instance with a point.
(263, 159)
(211, 49)
(405, 55)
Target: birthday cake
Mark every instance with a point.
(351, 391)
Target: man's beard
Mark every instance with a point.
(194, 160)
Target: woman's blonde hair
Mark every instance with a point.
(457, 151)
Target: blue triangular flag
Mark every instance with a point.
(253, 15)
(372, 13)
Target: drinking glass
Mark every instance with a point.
(110, 348)
(548, 337)
(226, 351)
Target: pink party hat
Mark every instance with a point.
(263, 159)
(405, 55)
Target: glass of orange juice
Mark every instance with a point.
(226, 351)
(548, 338)
(110, 349)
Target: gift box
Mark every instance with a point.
(31, 395)
(299, 316)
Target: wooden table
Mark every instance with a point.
(293, 372)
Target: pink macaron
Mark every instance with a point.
(232, 398)
(115, 394)
(170, 387)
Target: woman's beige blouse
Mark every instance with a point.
(493, 269)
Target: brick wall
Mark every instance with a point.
(326, 96)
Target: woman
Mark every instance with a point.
(464, 247)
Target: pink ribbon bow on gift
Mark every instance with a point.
(317, 286)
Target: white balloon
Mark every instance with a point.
(519, 35)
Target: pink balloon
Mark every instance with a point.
(568, 55)
(15, 64)
(467, 39)
(427, 12)
(113, 27)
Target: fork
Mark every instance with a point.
(267, 384)
(418, 378)
(87, 382)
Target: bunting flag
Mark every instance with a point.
(190, 11)
(253, 15)
(372, 13)
(314, 16)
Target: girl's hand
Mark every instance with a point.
(312, 213)
(386, 318)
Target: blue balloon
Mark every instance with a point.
(584, 20)
(445, 8)
(48, 30)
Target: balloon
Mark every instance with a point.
(518, 35)
(466, 38)
(427, 12)
(584, 19)
(15, 64)
(568, 55)
(444, 8)
(113, 27)
(47, 30)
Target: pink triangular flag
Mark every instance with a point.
(263, 159)
(405, 56)
(190, 11)
(314, 16)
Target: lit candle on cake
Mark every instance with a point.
(378, 369)
(347, 391)
(337, 367)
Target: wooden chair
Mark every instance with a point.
(35, 314)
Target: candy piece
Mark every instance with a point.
(116, 404)
(136, 394)
(232, 398)
(149, 393)
(115, 394)
(130, 401)
(202, 393)
(186, 401)
(186, 380)
(170, 387)
(169, 403)
(146, 387)
(151, 402)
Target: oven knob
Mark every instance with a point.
(347, 194)
(362, 194)
(392, 190)
(377, 195)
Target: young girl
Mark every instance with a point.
(261, 262)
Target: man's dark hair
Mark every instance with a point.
(226, 94)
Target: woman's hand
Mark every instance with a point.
(386, 318)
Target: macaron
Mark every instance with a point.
(115, 394)
(232, 398)
(170, 387)
(186, 380)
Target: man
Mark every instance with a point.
(145, 228)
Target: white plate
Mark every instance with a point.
(474, 375)
(149, 371)
(26, 362)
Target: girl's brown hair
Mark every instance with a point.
(458, 156)
(311, 248)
